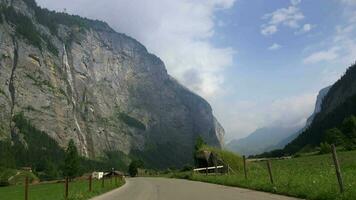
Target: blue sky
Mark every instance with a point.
(275, 67)
(258, 62)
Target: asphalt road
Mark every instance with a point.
(175, 189)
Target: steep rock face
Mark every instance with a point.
(319, 101)
(98, 87)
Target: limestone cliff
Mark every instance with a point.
(75, 78)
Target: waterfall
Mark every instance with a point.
(81, 135)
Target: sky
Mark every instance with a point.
(259, 63)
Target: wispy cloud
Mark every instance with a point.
(274, 46)
(328, 55)
(340, 48)
(288, 17)
(178, 31)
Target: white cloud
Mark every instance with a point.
(269, 30)
(274, 46)
(340, 48)
(178, 31)
(295, 2)
(289, 17)
(307, 28)
(328, 55)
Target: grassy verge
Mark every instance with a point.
(78, 190)
(311, 177)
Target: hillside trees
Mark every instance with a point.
(71, 161)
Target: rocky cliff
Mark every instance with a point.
(75, 78)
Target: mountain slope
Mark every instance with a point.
(263, 139)
(338, 104)
(75, 78)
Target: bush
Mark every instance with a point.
(334, 136)
(324, 148)
(133, 167)
(23, 26)
(130, 121)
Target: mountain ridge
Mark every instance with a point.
(75, 78)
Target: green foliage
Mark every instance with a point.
(163, 155)
(71, 161)
(334, 136)
(199, 143)
(324, 148)
(229, 158)
(349, 127)
(311, 177)
(130, 121)
(15, 177)
(78, 190)
(133, 167)
(7, 159)
(45, 156)
(24, 26)
(52, 19)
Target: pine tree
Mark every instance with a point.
(71, 161)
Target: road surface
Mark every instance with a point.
(176, 189)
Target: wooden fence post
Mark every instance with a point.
(337, 168)
(26, 188)
(270, 171)
(90, 183)
(206, 171)
(245, 170)
(102, 182)
(228, 169)
(66, 188)
(116, 180)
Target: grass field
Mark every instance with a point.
(311, 177)
(78, 190)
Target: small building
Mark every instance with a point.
(28, 169)
(205, 158)
(98, 175)
(113, 174)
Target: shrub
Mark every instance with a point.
(130, 121)
(324, 148)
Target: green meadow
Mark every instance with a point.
(78, 190)
(309, 177)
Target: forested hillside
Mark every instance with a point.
(336, 123)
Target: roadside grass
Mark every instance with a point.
(78, 190)
(15, 177)
(311, 177)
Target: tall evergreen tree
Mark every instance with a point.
(71, 161)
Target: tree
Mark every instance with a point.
(325, 148)
(334, 136)
(199, 143)
(71, 161)
(349, 127)
(133, 167)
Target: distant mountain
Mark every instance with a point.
(264, 139)
(338, 104)
(271, 138)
